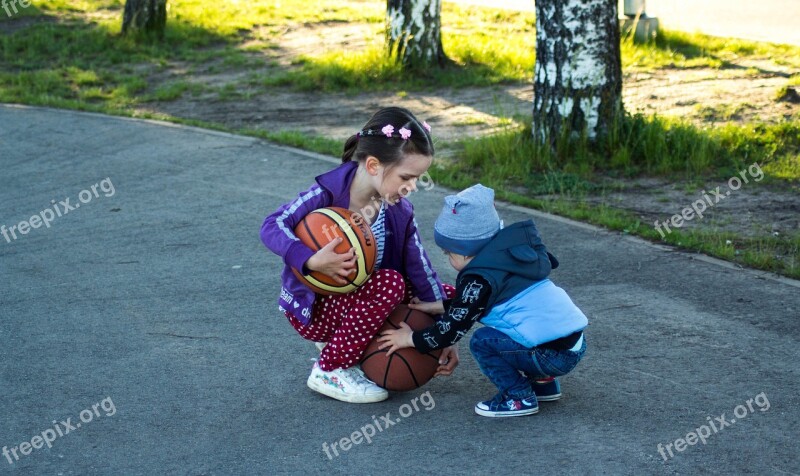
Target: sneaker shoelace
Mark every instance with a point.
(358, 376)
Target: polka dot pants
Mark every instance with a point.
(348, 322)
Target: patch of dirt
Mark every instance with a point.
(453, 113)
(740, 94)
(706, 95)
(750, 210)
(316, 38)
(14, 24)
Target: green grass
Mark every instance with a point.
(320, 145)
(637, 145)
(491, 48)
(778, 254)
(722, 112)
(676, 49)
(486, 47)
(557, 180)
(172, 91)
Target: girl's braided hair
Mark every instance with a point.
(389, 135)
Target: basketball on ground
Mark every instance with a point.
(406, 369)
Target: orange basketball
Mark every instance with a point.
(406, 369)
(322, 226)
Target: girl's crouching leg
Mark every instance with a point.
(385, 286)
(372, 303)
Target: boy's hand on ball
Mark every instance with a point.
(333, 264)
(396, 339)
(448, 361)
(433, 308)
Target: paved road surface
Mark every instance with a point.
(157, 302)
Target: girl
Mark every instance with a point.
(380, 165)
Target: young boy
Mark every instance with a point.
(533, 332)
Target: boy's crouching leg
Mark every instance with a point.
(548, 388)
(502, 359)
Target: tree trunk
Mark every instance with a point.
(146, 16)
(578, 74)
(413, 32)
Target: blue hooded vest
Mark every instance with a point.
(524, 304)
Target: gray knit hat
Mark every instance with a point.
(468, 221)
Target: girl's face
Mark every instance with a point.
(397, 180)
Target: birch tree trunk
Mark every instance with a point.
(146, 16)
(413, 32)
(578, 74)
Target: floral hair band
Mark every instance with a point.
(388, 131)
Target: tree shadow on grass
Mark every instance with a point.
(676, 42)
(73, 61)
(717, 50)
(372, 70)
(49, 40)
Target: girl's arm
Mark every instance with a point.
(277, 232)
(419, 271)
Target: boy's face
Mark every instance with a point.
(457, 261)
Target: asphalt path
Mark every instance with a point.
(148, 316)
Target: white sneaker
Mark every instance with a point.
(347, 385)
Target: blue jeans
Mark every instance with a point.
(510, 365)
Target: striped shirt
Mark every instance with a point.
(379, 230)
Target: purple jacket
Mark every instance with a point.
(402, 250)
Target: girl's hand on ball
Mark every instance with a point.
(336, 265)
(396, 339)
